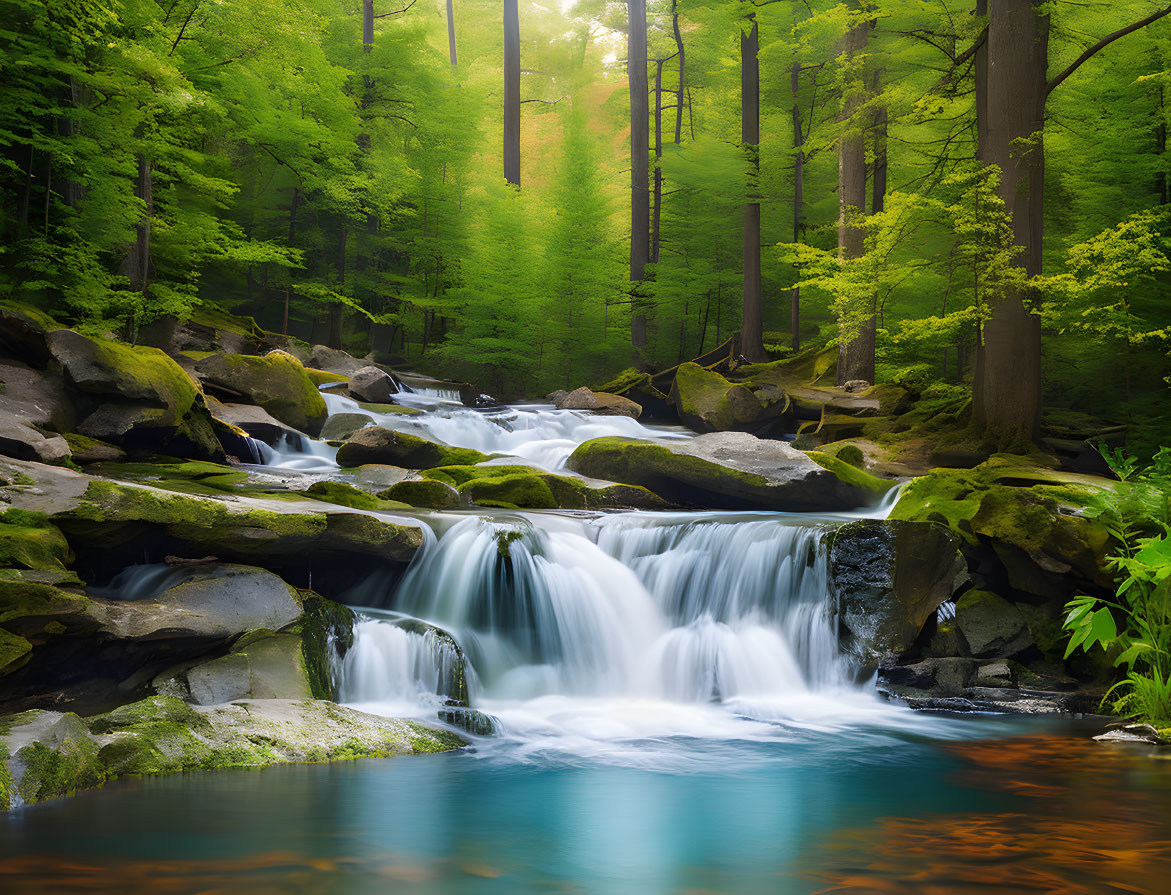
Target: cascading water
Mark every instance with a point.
(623, 626)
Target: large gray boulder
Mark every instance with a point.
(372, 385)
(729, 470)
(707, 402)
(601, 403)
(890, 577)
(334, 360)
(341, 426)
(23, 441)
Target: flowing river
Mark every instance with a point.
(670, 712)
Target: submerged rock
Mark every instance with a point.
(890, 577)
(730, 470)
(55, 755)
(471, 720)
(375, 444)
(277, 382)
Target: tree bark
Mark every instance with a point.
(878, 134)
(752, 311)
(657, 210)
(451, 34)
(636, 61)
(682, 61)
(511, 93)
(981, 85)
(798, 198)
(367, 25)
(855, 356)
(137, 265)
(1018, 40)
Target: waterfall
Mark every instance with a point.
(683, 608)
(298, 453)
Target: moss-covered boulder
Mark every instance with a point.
(55, 755)
(112, 516)
(525, 487)
(729, 470)
(277, 382)
(24, 332)
(136, 398)
(890, 577)
(375, 444)
(601, 403)
(639, 387)
(30, 541)
(992, 627)
(341, 426)
(345, 495)
(1041, 524)
(707, 402)
(434, 495)
(87, 450)
(209, 328)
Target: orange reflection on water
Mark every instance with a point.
(1084, 826)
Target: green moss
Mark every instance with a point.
(427, 740)
(640, 462)
(390, 408)
(324, 377)
(218, 317)
(505, 540)
(436, 494)
(83, 444)
(54, 772)
(277, 382)
(31, 541)
(344, 495)
(14, 652)
(847, 453)
(375, 444)
(707, 400)
(851, 475)
(28, 599)
(324, 626)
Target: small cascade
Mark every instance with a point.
(259, 453)
(683, 608)
(143, 582)
(297, 453)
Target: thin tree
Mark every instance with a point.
(752, 313)
(511, 93)
(636, 63)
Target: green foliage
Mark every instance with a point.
(1134, 626)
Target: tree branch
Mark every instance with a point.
(383, 15)
(1102, 44)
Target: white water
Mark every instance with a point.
(595, 635)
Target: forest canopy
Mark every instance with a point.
(532, 196)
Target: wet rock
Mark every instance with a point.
(525, 487)
(423, 493)
(335, 360)
(1133, 733)
(24, 333)
(729, 470)
(890, 577)
(254, 420)
(31, 541)
(57, 755)
(995, 674)
(135, 398)
(992, 627)
(555, 398)
(89, 450)
(600, 403)
(373, 385)
(937, 677)
(470, 720)
(277, 382)
(341, 426)
(707, 402)
(375, 444)
(268, 666)
(448, 657)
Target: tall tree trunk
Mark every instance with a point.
(451, 34)
(367, 25)
(335, 310)
(752, 313)
(981, 78)
(636, 62)
(1018, 43)
(137, 265)
(878, 138)
(656, 213)
(511, 93)
(856, 355)
(682, 70)
(798, 198)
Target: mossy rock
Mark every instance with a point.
(846, 452)
(23, 332)
(277, 382)
(729, 470)
(707, 402)
(90, 450)
(525, 487)
(31, 541)
(992, 626)
(324, 377)
(850, 473)
(145, 400)
(343, 495)
(14, 651)
(1041, 523)
(435, 495)
(112, 514)
(375, 444)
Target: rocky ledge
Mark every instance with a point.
(46, 755)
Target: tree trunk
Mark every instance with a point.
(682, 60)
(878, 135)
(451, 33)
(1018, 42)
(856, 356)
(137, 265)
(798, 198)
(981, 85)
(658, 198)
(511, 93)
(752, 313)
(639, 171)
(367, 25)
